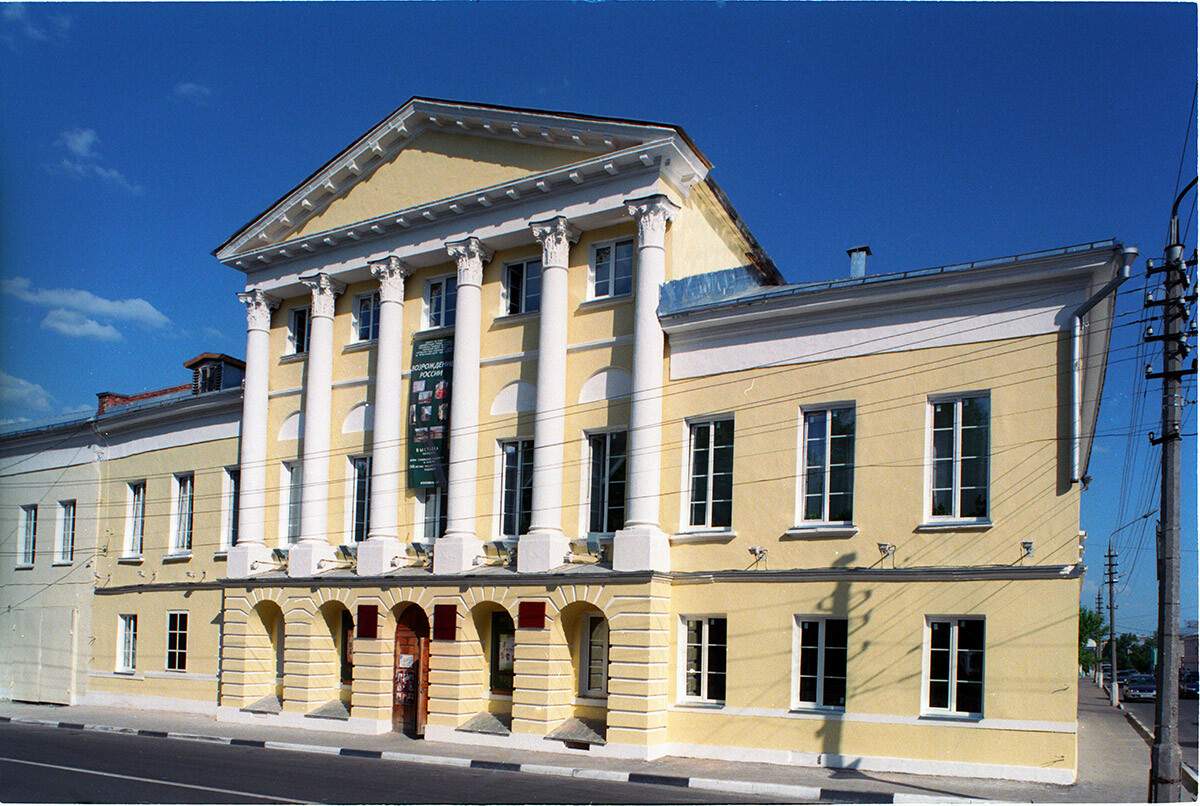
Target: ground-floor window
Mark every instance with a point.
(821, 658)
(704, 669)
(177, 635)
(593, 655)
(504, 646)
(955, 656)
(127, 643)
(346, 647)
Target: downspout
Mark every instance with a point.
(1127, 256)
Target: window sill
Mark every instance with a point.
(221, 555)
(57, 563)
(177, 557)
(293, 358)
(132, 559)
(515, 318)
(433, 332)
(701, 705)
(822, 530)
(360, 346)
(706, 536)
(130, 673)
(24, 567)
(593, 700)
(949, 717)
(955, 526)
(816, 709)
(601, 303)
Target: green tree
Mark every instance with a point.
(1091, 625)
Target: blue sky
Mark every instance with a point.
(137, 137)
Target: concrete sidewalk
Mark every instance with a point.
(1113, 758)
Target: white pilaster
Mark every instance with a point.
(545, 546)
(252, 499)
(305, 557)
(642, 544)
(455, 552)
(378, 554)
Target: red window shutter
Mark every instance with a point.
(445, 622)
(368, 621)
(531, 615)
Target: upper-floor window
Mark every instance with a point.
(612, 269)
(821, 661)
(522, 287)
(704, 658)
(959, 452)
(135, 521)
(28, 528)
(361, 466)
(954, 660)
(65, 539)
(232, 503)
(711, 501)
(181, 526)
(366, 317)
(208, 377)
(441, 301)
(298, 327)
(433, 512)
(516, 494)
(607, 488)
(292, 482)
(829, 465)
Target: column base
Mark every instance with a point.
(240, 560)
(456, 553)
(377, 556)
(541, 550)
(305, 557)
(641, 548)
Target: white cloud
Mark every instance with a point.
(80, 142)
(192, 92)
(212, 333)
(76, 325)
(84, 159)
(136, 310)
(16, 17)
(23, 394)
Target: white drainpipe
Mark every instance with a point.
(1128, 255)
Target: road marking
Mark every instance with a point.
(152, 780)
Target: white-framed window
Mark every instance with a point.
(710, 503)
(606, 498)
(208, 377)
(516, 491)
(441, 301)
(366, 317)
(828, 473)
(177, 640)
(291, 477)
(126, 643)
(360, 512)
(28, 527)
(135, 518)
(958, 451)
(432, 501)
(299, 322)
(612, 268)
(522, 286)
(64, 539)
(182, 512)
(819, 658)
(593, 655)
(231, 499)
(703, 642)
(954, 650)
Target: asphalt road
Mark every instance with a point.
(1188, 710)
(56, 765)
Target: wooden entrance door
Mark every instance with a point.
(410, 675)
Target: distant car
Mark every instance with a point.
(1125, 674)
(1139, 687)
(1188, 684)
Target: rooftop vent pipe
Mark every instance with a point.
(858, 261)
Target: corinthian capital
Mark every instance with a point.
(652, 214)
(324, 290)
(470, 255)
(259, 305)
(391, 272)
(556, 237)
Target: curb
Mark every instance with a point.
(796, 792)
(1187, 774)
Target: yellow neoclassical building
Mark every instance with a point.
(538, 450)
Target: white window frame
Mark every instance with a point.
(356, 318)
(506, 290)
(64, 533)
(179, 513)
(927, 646)
(797, 648)
(802, 464)
(589, 456)
(682, 662)
(685, 510)
(427, 302)
(127, 643)
(173, 615)
(592, 268)
(352, 498)
(585, 656)
(230, 500)
(28, 528)
(289, 481)
(429, 510)
(293, 346)
(500, 462)
(135, 519)
(956, 490)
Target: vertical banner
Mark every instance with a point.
(429, 412)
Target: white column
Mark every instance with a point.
(545, 546)
(305, 557)
(455, 551)
(252, 496)
(642, 544)
(378, 554)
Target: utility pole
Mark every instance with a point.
(1165, 755)
(1110, 574)
(1099, 675)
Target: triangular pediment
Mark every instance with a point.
(430, 151)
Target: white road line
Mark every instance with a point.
(152, 780)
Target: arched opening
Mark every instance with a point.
(498, 643)
(333, 645)
(263, 670)
(585, 629)
(410, 671)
